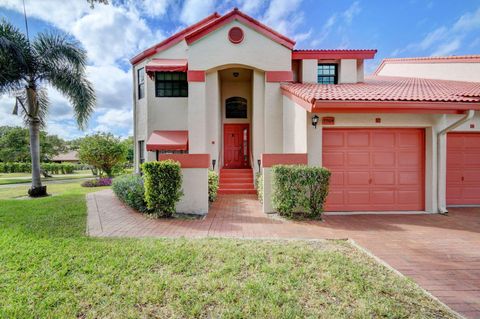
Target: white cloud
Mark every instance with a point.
(251, 6)
(195, 10)
(446, 39)
(351, 12)
(154, 8)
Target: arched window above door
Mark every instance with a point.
(236, 108)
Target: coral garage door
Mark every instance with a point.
(463, 169)
(375, 169)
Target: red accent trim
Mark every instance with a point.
(172, 40)
(236, 35)
(167, 65)
(236, 14)
(196, 76)
(438, 59)
(333, 54)
(279, 76)
(188, 160)
(168, 141)
(268, 160)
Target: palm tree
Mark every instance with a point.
(27, 68)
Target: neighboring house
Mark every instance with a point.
(455, 68)
(238, 92)
(68, 157)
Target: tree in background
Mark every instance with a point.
(27, 67)
(15, 147)
(103, 151)
(128, 143)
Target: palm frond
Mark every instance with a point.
(75, 86)
(54, 50)
(15, 57)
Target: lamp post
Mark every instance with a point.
(259, 161)
(214, 161)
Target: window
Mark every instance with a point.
(141, 152)
(327, 74)
(236, 108)
(141, 83)
(171, 84)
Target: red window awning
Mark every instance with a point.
(167, 65)
(168, 141)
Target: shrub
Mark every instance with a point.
(299, 189)
(212, 185)
(259, 186)
(98, 182)
(103, 151)
(163, 186)
(131, 191)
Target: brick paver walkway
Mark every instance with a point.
(441, 253)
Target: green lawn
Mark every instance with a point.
(50, 269)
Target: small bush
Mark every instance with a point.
(130, 189)
(98, 182)
(299, 189)
(163, 186)
(212, 185)
(259, 186)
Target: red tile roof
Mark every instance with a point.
(394, 90)
(431, 59)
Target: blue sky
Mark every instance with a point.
(113, 34)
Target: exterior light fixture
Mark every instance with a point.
(315, 119)
(214, 161)
(236, 74)
(259, 161)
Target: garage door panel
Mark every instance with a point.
(383, 159)
(383, 178)
(383, 139)
(463, 168)
(337, 178)
(454, 177)
(333, 159)
(384, 197)
(355, 139)
(334, 139)
(355, 197)
(358, 178)
(383, 169)
(358, 159)
(409, 158)
(408, 139)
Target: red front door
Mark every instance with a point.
(235, 146)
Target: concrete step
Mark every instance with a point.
(228, 180)
(236, 186)
(236, 191)
(239, 170)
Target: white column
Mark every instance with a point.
(309, 71)
(197, 117)
(348, 71)
(273, 118)
(258, 116)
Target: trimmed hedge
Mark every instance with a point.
(130, 189)
(163, 186)
(259, 186)
(212, 185)
(97, 182)
(299, 189)
(53, 168)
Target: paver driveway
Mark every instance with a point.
(441, 253)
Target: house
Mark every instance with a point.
(231, 94)
(68, 157)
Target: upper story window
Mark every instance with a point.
(327, 73)
(141, 83)
(171, 84)
(236, 108)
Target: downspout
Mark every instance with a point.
(442, 209)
